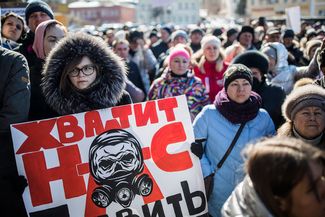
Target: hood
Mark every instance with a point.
(282, 55)
(107, 91)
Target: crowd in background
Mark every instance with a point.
(256, 80)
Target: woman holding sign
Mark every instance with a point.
(236, 110)
(83, 74)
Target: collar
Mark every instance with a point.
(314, 142)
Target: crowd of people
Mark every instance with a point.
(243, 85)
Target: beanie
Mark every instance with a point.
(167, 29)
(38, 6)
(178, 51)
(236, 71)
(301, 97)
(248, 29)
(210, 39)
(288, 33)
(231, 32)
(253, 59)
(179, 33)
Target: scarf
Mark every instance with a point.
(238, 113)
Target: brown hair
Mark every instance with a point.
(12, 14)
(65, 83)
(276, 166)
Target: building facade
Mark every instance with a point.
(276, 8)
(178, 12)
(97, 13)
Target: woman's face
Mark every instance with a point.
(12, 28)
(179, 65)
(310, 122)
(239, 90)
(308, 196)
(52, 35)
(83, 74)
(211, 52)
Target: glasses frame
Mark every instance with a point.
(73, 73)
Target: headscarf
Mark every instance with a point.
(38, 45)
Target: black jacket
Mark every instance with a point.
(26, 49)
(159, 47)
(14, 105)
(14, 89)
(272, 99)
(109, 88)
(38, 107)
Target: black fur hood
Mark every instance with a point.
(107, 92)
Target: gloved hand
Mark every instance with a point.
(197, 147)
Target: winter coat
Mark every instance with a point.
(146, 62)
(14, 106)
(26, 49)
(212, 79)
(168, 86)
(14, 89)
(284, 74)
(134, 75)
(219, 132)
(159, 47)
(9, 44)
(272, 99)
(296, 53)
(107, 92)
(38, 107)
(244, 202)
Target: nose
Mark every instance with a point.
(312, 117)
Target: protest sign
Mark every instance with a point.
(132, 160)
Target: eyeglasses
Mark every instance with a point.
(86, 70)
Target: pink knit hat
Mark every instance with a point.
(178, 51)
(38, 45)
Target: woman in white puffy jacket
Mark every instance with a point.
(280, 72)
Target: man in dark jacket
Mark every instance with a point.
(272, 96)
(35, 13)
(162, 46)
(14, 106)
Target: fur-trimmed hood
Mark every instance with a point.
(107, 92)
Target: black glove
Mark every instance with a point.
(197, 147)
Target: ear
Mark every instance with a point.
(282, 203)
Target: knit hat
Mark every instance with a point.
(210, 39)
(301, 97)
(236, 71)
(248, 29)
(312, 43)
(288, 33)
(179, 33)
(197, 30)
(167, 29)
(178, 51)
(253, 59)
(273, 30)
(38, 6)
(231, 32)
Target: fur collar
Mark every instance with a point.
(106, 93)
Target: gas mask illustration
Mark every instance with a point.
(116, 164)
